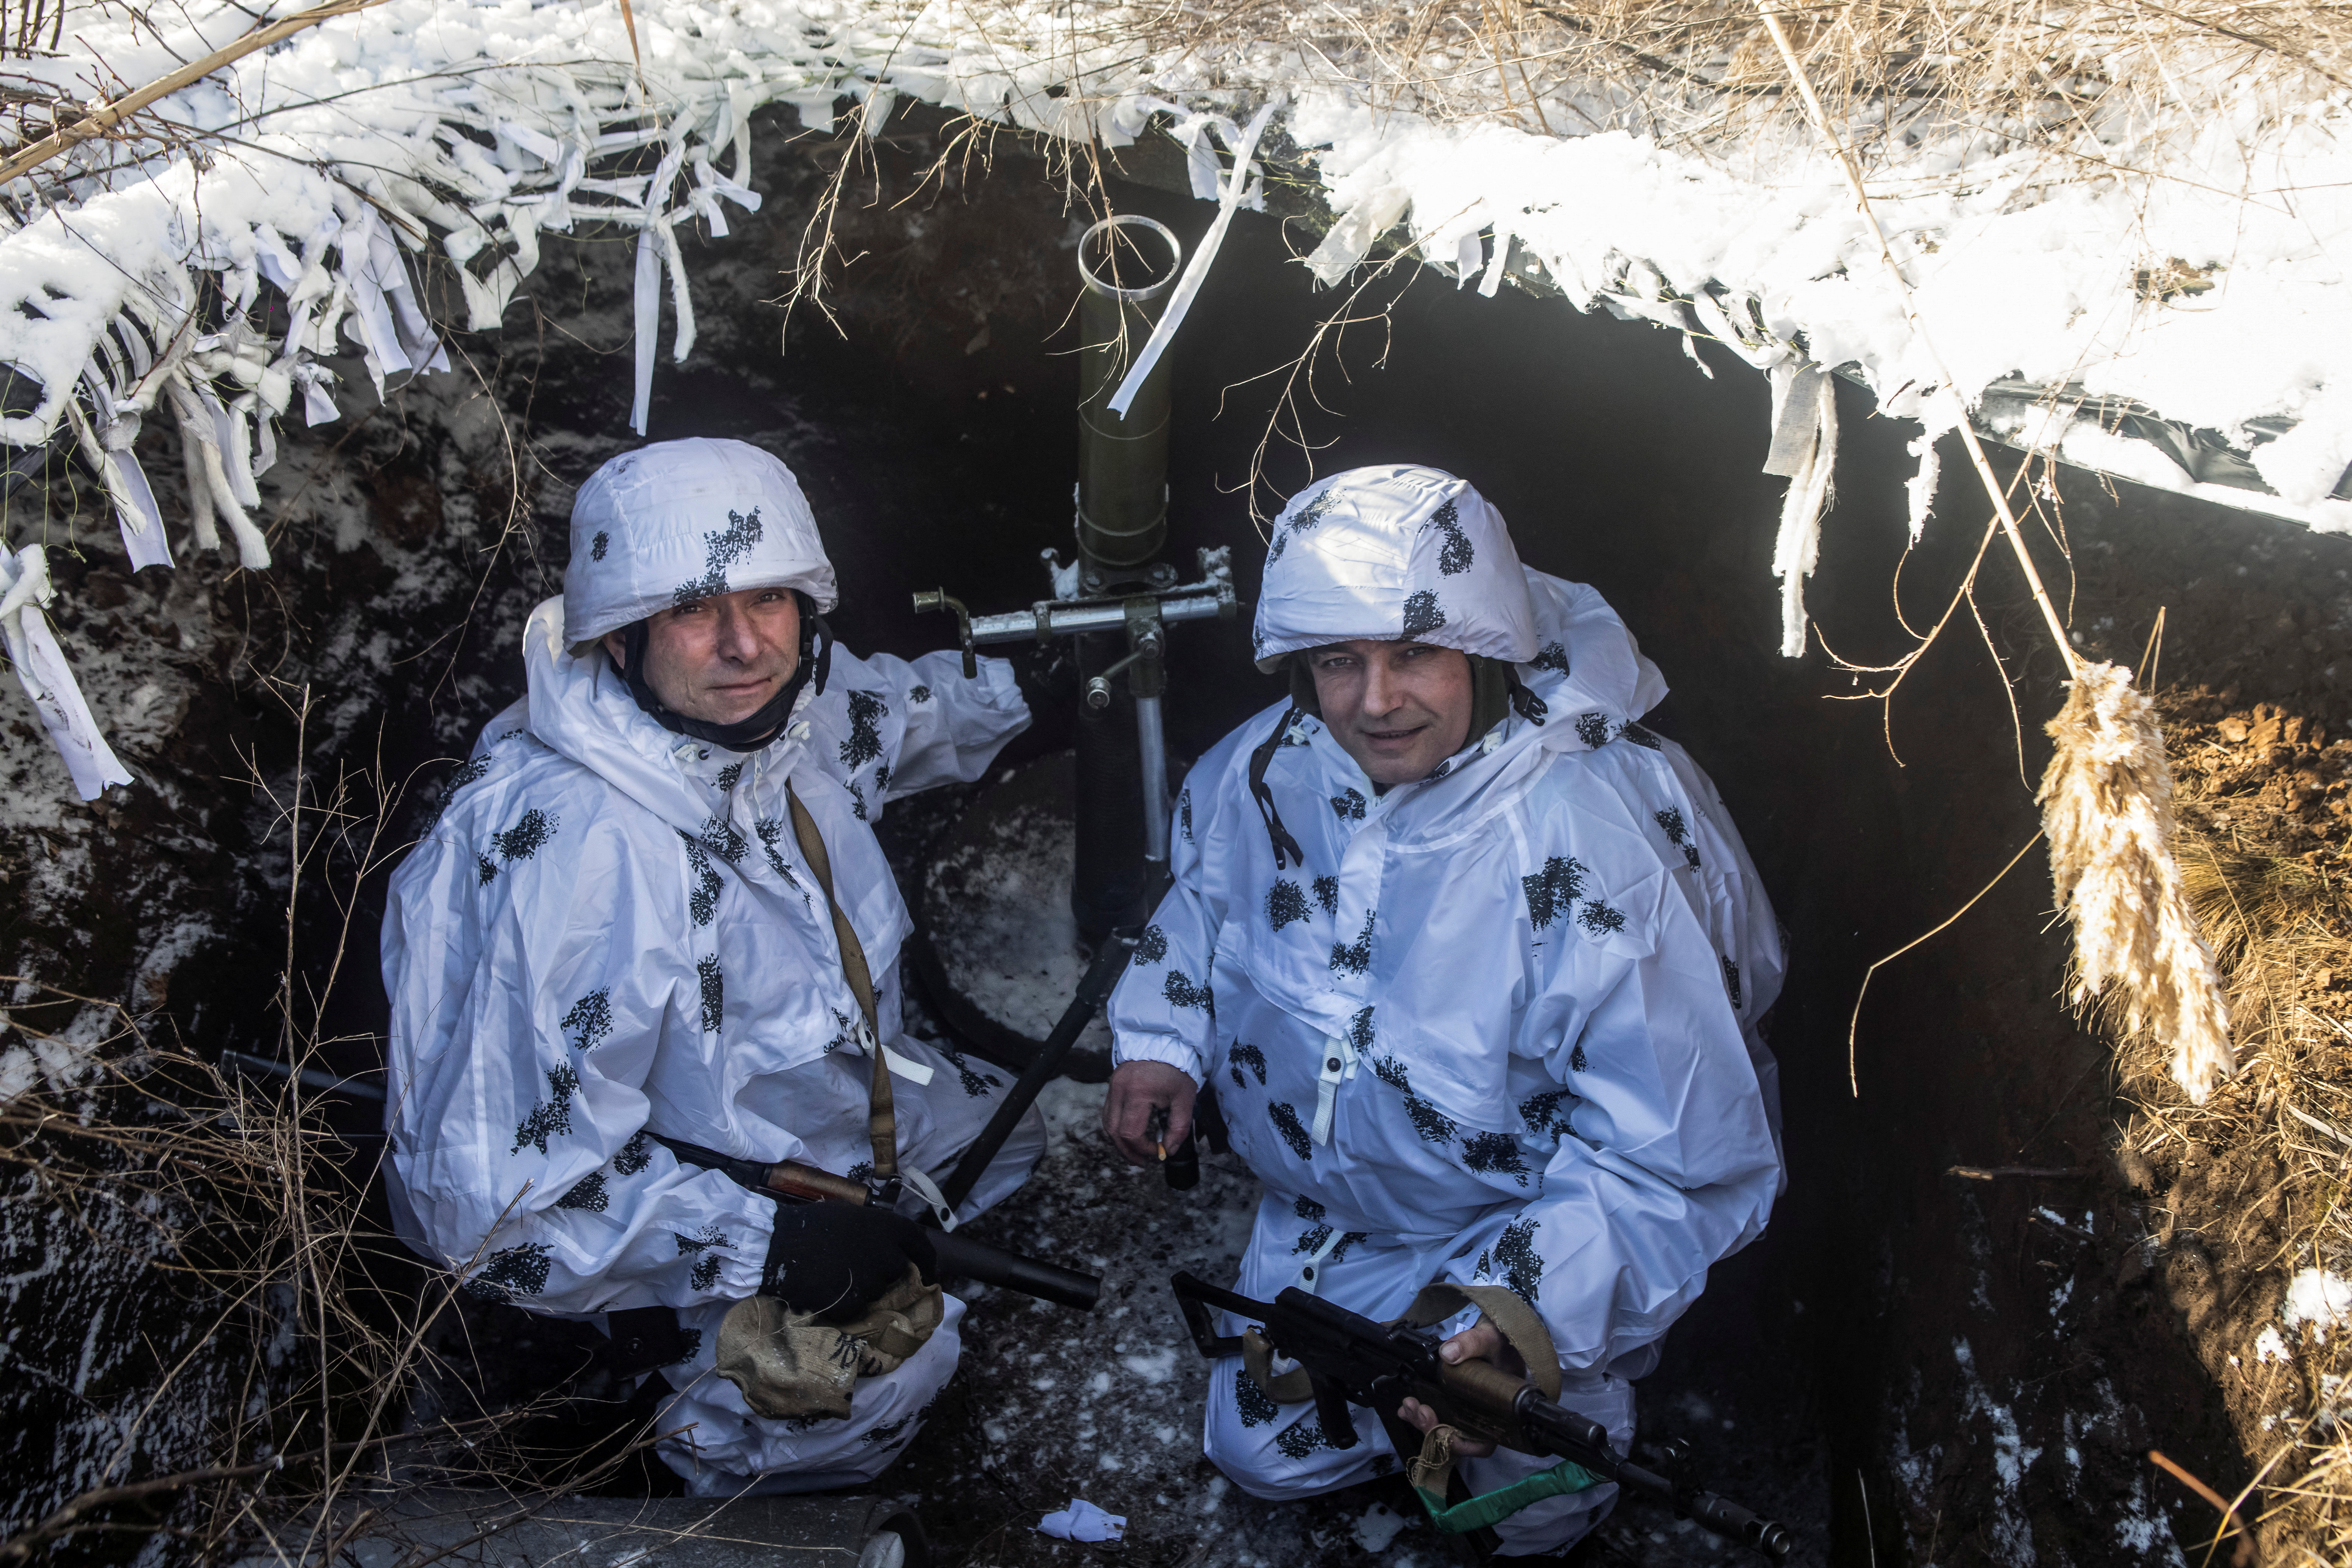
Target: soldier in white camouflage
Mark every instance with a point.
(616, 933)
(1477, 964)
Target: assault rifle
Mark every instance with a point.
(1351, 1359)
(793, 1182)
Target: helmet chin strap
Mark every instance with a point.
(756, 731)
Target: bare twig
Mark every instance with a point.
(99, 121)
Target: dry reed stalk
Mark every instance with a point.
(2106, 810)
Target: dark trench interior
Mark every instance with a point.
(932, 427)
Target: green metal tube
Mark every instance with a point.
(1128, 263)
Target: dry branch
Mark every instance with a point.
(102, 120)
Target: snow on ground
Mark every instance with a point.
(1051, 1404)
(1012, 949)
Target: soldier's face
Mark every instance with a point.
(720, 659)
(1398, 708)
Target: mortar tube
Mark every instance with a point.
(1122, 492)
(1151, 748)
(1106, 888)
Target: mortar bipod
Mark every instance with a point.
(1144, 618)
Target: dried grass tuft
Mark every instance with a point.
(2107, 802)
(1703, 76)
(2279, 916)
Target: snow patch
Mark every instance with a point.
(1379, 1527)
(2011, 1458)
(1157, 1367)
(2316, 1302)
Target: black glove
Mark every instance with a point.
(833, 1258)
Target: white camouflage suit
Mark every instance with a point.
(1500, 1026)
(611, 931)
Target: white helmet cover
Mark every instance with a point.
(680, 521)
(1393, 552)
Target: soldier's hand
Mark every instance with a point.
(836, 1257)
(1482, 1341)
(1137, 1089)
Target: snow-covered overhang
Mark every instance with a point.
(2167, 309)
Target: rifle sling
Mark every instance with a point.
(881, 1118)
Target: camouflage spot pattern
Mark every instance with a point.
(1285, 901)
(721, 548)
(707, 1268)
(587, 1194)
(598, 545)
(1731, 980)
(1553, 890)
(1670, 821)
(702, 904)
(1542, 1113)
(1349, 805)
(1455, 556)
(1521, 1264)
(1355, 957)
(976, 1083)
(526, 838)
(1256, 1409)
(552, 1119)
(1495, 1153)
(470, 772)
(1551, 656)
(1152, 946)
(635, 1156)
(1327, 893)
(866, 712)
(714, 991)
(1285, 1121)
(1592, 729)
(516, 1271)
(1303, 1436)
(590, 1020)
(1600, 919)
(1242, 1055)
(1434, 1126)
(721, 837)
(771, 830)
(1182, 992)
(1422, 613)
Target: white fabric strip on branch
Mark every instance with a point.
(135, 511)
(1804, 452)
(1237, 187)
(48, 679)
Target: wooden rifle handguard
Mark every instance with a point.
(808, 1183)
